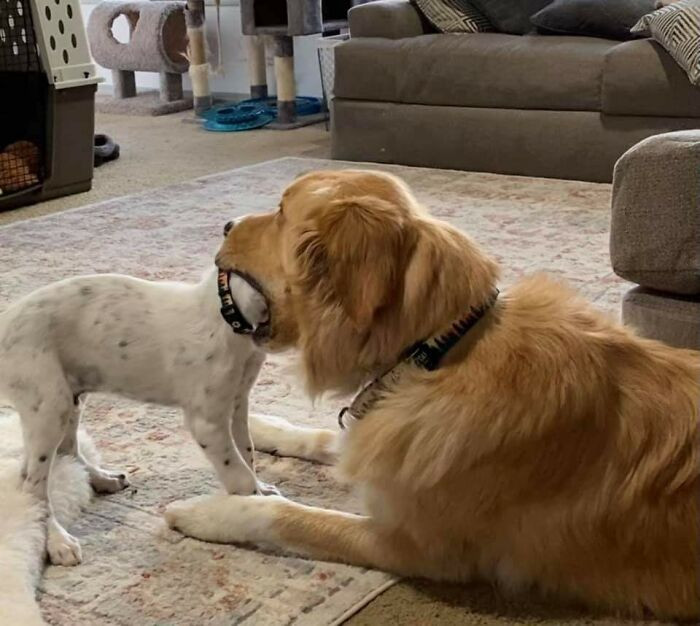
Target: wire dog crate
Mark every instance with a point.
(48, 83)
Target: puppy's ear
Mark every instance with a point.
(352, 255)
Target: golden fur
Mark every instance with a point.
(554, 448)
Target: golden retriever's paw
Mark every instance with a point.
(224, 518)
(275, 435)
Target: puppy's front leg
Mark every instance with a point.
(239, 421)
(244, 443)
(241, 431)
(212, 433)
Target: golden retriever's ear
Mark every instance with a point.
(352, 255)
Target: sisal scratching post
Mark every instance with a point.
(257, 72)
(197, 51)
(279, 21)
(284, 76)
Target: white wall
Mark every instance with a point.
(235, 79)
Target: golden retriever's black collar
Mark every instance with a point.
(229, 310)
(427, 354)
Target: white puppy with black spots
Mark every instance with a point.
(158, 342)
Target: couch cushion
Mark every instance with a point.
(641, 78)
(677, 29)
(511, 16)
(393, 19)
(655, 225)
(477, 70)
(453, 16)
(592, 18)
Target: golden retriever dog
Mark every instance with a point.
(552, 448)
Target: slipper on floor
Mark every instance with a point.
(105, 149)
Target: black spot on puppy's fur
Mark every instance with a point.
(123, 343)
(86, 291)
(227, 462)
(42, 458)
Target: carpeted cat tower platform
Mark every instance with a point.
(158, 43)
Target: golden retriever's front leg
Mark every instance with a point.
(273, 520)
(278, 436)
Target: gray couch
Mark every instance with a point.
(562, 107)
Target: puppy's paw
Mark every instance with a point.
(103, 481)
(266, 489)
(63, 548)
(225, 519)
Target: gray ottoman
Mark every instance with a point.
(655, 236)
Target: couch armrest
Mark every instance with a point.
(392, 19)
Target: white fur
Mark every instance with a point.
(278, 436)
(156, 342)
(22, 529)
(226, 519)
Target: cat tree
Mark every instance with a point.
(157, 43)
(281, 21)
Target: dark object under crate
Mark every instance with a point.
(46, 122)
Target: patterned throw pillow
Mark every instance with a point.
(677, 28)
(453, 16)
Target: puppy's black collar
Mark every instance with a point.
(427, 355)
(229, 310)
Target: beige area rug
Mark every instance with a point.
(135, 572)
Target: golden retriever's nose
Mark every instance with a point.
(228, 227)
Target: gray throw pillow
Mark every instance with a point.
(453, 16)
(677, 28)
(611, 19)
(511, 16)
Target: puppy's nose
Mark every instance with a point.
(228, 227)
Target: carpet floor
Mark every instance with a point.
(159, 151)
(135, 571)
